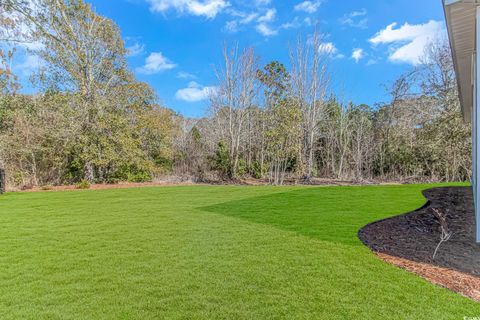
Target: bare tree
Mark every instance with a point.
(310, 82)
(234, 99)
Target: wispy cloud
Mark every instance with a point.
(355, 19)
(195, 92)
(358, 54)
(262, 2)
(263, 21)
(294, 24)
(308, 21)
(135, 49)
(329, 49)
(263, 27)
(156, 62)
(266, 30)
(30, 64)
(185, 75)
(244, 19)
(407, 43)
(308, 6)
(269, 16)
(206, 8)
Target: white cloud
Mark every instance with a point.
(358, 54)
(135, 49)
(249, 18)
(186, 75)
(262, 2)
(308, 6)
(206, 8)
(231, 26)
(355, 19)
(407, 43)
(269, 16)
(195, 92)
(329, 49)
(266, 30)
(359, 13)
(156, 62)
(32, 63)
(263, 26)
(263, 22)
(294, 24)
(234, 25)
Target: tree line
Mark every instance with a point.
(92, 120)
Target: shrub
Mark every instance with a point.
(242, 167)
(257, 170)
(221, 161)
(84, 184)
(112, 180)
(129, 173)
(140, 176)
(164, 164)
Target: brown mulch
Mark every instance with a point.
(466, 284)
(409, 241)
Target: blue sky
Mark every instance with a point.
(174, 44)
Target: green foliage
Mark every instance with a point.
(221, 161)
(100, 126)
(242, 167)
(164, 164)
(140, 176)
(84, 184)
(257, 170)
(129, 173)
(276, 80)
(196, 135)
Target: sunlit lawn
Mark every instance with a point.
(209, 252)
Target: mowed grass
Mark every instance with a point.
(209, 252)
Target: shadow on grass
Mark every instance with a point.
(329, 214)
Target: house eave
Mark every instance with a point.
(460, 16)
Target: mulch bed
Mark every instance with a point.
(409, 241)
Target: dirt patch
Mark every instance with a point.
(105, 186)
(182, 181)
(409, 241)
(318, 182)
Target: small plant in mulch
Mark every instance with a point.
(446, 234)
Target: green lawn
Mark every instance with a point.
(209, 252)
